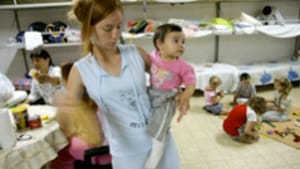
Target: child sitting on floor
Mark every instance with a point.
(278, 108)
(244, 91)
(213, 97)
(241, 122)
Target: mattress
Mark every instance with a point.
(264, 73)
(228, 74)
(261, 73)
(280, 31)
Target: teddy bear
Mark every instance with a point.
(56, 32)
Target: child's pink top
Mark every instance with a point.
(208, 96)
(75, 151)
(78, 147)
(168, 75)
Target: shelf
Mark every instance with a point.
(48, 45)
(276, 31)
(66, 4)
(68, 44)
(48, 5)
(214, 41)
(36, 5)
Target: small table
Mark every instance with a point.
(36, 152)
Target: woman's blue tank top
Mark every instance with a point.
(123, 100)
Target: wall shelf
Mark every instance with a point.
(207, 45)
(35, 5)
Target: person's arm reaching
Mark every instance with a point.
(184, 100)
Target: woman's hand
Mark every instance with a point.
(65, 102)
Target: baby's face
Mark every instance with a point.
(173, 45)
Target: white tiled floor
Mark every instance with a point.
(202, 144)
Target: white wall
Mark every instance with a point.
(244, 49)
(8, 30)
(256, 48)
(289, 9)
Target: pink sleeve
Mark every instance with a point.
(187, 74)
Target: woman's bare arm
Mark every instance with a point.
(75, 85)
(145, 57)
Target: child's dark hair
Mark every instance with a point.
(244, 76)
(258, 104)
(42, 54)
(162, 30)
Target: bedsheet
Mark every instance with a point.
(228, 74)
(280, 31)
(264, 73)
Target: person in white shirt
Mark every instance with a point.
(46, 78)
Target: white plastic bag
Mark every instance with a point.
(8, 136)
(6, 90)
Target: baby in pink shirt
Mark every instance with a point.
(168, 73)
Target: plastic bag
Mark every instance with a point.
(6, 89)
